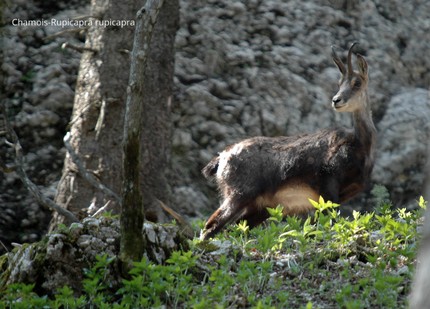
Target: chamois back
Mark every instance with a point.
(262, 172)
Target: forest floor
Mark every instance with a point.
(325, 261)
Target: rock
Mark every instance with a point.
(42, 118)
(188, 195)
(222, 248)
(84, 241)
(59, 258)
(23, 265)
(274, 58)
(38, 88)
(402, 148)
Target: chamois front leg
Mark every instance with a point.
(330, 189)
(228, 212)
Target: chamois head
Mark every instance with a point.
(352, 92)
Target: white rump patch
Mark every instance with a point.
(224, 157)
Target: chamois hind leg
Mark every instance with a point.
(228, 212)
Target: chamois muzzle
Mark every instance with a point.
(337, 102)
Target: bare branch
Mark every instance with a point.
(186, 228)
(80, 49)
(19, 168)
(102, 209)
(101, 119)
(84, 172)
(3, 245)
(63, 32)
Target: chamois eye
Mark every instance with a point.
(357, 83)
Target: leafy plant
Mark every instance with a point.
(95, 284)
(325, 260)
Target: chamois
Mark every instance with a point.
(262, 172)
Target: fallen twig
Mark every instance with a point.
(186, 228)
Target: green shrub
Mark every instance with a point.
(326, 261)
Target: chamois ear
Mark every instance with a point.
(337, 61)
(362, 65)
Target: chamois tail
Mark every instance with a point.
(211, 168)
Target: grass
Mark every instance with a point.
(324, 261)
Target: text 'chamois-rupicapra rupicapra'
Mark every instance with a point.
(265, 172)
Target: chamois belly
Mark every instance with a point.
(350, 191)
(293, 196)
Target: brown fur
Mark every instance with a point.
(293, 196)
(265, 172)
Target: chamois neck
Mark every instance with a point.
(364, 128)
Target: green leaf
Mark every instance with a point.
(276, 214)
(422, 203)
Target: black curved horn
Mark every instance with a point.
(349, 60)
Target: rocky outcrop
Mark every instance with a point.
(264, 68)
(38, 86)
(58, 259)
(402, 149)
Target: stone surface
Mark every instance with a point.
(58, 259)
(39, 90)
(404, 137)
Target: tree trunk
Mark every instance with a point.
(421, 285)
(132, 211)
(97, 123)
(426, 189)
(156, 121)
